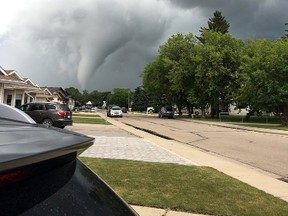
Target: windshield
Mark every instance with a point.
(116, 108)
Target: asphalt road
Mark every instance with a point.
(265, 151)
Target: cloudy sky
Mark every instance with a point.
(105, 44)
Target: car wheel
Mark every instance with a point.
(47, 122)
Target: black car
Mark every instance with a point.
(49, 114)
(166, 111)
(41, 175)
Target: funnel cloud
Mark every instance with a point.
(105, 44)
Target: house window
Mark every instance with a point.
(18, 100)
(9, 99)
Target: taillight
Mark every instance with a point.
(62, 113)
(13, 176)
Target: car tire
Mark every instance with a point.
(47, 122)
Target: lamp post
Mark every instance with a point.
(128, 99)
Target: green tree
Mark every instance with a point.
(218, 23)
(96, 98)
(286, 30)
(177, 51)
(76, 94)
(140, 100)
(156, 82)
(119, 97)
(217, 61)
(264, 73)
(85, 97)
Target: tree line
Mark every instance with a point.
(215, 70)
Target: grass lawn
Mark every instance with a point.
(185, 188)
(242, 119)
(86, 114)
(88, 119)
(268, 126)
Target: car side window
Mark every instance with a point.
(50, 106)
(36, 107)
(24, 107)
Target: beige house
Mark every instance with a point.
(15, 91)
(61, 96)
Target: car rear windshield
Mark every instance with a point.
(50, 107)
(64, 107)
(169, 108)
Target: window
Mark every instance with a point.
(18, 100)
(9, 99)
(50, 106)
(35, 107)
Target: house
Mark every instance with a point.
(61, 96)
(16, 90)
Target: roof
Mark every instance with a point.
(13, 80)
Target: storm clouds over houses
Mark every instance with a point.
(102, 44)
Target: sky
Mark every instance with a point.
(106, 44)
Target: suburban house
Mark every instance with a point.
(61, 96)
(16, 90)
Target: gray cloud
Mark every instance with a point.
(101, 44)
(257, 18)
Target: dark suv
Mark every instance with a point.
(49, 114)
(166, 111)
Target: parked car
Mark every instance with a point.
(41, 175)
(150, 110)
(94, 109)
(49, 114)
(166, 111)
(109, 109)
(116, 112)
(124, 110)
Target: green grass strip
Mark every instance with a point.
(185, 188)
(86, 115)
(274, 127)
(89, 120)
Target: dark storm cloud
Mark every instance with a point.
(102, 44)
(257, 18)
(91, 41)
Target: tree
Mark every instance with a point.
(286, 30)
(119, 97)
(96, 98)
(264, 73)
(156, 82)
(177, 51)
(140, 100)
(76, 94)
(85, 97)
(218, 61)
(218, 23)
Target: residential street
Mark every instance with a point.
(266, 151)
